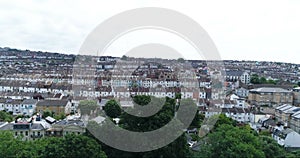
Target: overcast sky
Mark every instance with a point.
(247, 30)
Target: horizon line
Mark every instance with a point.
(70, 53)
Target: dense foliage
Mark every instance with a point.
(255, 79)
(5, 117)
(178, 148)
(68, 146)
(112, 109)
(229, 140)
(225, 139)
(59, 116)
(142, 99)
(87, 106)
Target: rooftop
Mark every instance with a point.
(52, 103)
(29, 101)
(269, 90)
(70, 122)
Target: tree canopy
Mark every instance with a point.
(255, 79)
(4, 116)
(229, 140)
(226, 139)
(178, 148)
(181, 60)
(66, 147)
(142, 99)
(112, 109)
(86, 106)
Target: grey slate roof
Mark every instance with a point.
(234, 73)
(8, 126)
(269, 90)
(34, 126)
(283, 106)
(2, 124)
(29, 101)
(292, 140)
(296, 115)
(70, 122)
(52, 103)
(37, 126)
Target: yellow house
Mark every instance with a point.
(270, 96)
(56, 106)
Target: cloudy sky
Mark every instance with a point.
(266, 30)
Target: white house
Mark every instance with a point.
(28, 106)
(287, 138)
(235, 75)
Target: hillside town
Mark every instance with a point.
(264, 95)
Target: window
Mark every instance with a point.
(16, 133)
(26, 133)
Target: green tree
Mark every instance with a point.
(229, 141)
(142, 99)
(265, 133)
(4, 116)
(86, 106)
(47, 113)
(65, 147)
(9, 146)
(60, 116)
(54, 147)
(177, 95)
(270, 81)
(81, 146)
(255, 79)
(71, 146)
(293, 154)
(124, 57)
(263, 80)
(112, 109)
(223, 119)
(271, 148)
(141, 124)
(178, 148)
(181, 60)
(196, 121)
